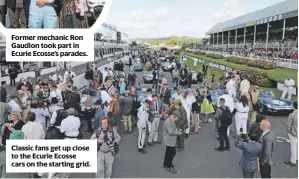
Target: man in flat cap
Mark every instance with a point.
(126, 104)
(171, 133)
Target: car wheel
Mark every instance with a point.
(261, 109)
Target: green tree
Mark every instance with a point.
(174, 40)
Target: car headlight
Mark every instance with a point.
(269, 105)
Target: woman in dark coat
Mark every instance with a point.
(183, 78)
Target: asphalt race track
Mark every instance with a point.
(199, 159)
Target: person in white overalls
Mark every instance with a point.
(141, 124)
(289, 83)
(187, 101)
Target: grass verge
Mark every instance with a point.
(219, 73)
(278, 74)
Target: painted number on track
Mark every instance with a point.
(282, 140)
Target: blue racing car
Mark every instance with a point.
(269, 103)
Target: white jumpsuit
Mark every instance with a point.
(141, 124)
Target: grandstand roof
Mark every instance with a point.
(274, 10)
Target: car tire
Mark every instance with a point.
(261, 109)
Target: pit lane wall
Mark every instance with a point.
(279, 86)
(80, 81)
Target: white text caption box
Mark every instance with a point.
(84, 161)
(50, 45)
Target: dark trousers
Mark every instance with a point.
(247, 174)
(169, 155)
(155, 85)
(265, 170)
(180, 141)
(222, 132)
(89, 124)
(175, 81)
(12, 82)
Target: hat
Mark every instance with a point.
(98, 102)
(16, 134)
(54, 100)
(176, 113)
(20, 92)
(71, 111)
(177, 102)
(127, 91)
(13, 96)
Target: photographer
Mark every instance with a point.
(251, 151)
(108, 140)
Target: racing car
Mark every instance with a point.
(163, 59)
(165, 66)
(118, 66)
(138, 67)
(148, 77)
(141, 93)
(269, 103)
(127, 61)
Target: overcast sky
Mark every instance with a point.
(164, 18)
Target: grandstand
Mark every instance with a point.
(274, 27)
(108, 46)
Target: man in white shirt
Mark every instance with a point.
(70, 125)
(55, 92)
(195, 62)
(149, 94)
(231, 87)
(33, 129)
(289, 83)
(106, 99)
(56, 105)
(14, 106)
(244, 86)
(229, 102)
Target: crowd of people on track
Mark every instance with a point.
(53, 110)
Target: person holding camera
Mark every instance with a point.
(251, 150)
(108, 141)
(41, 112)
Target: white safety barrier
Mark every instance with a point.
(80, 81)
(281, 87)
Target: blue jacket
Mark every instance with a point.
(99, 114)
(122, 88)
(250, 152)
